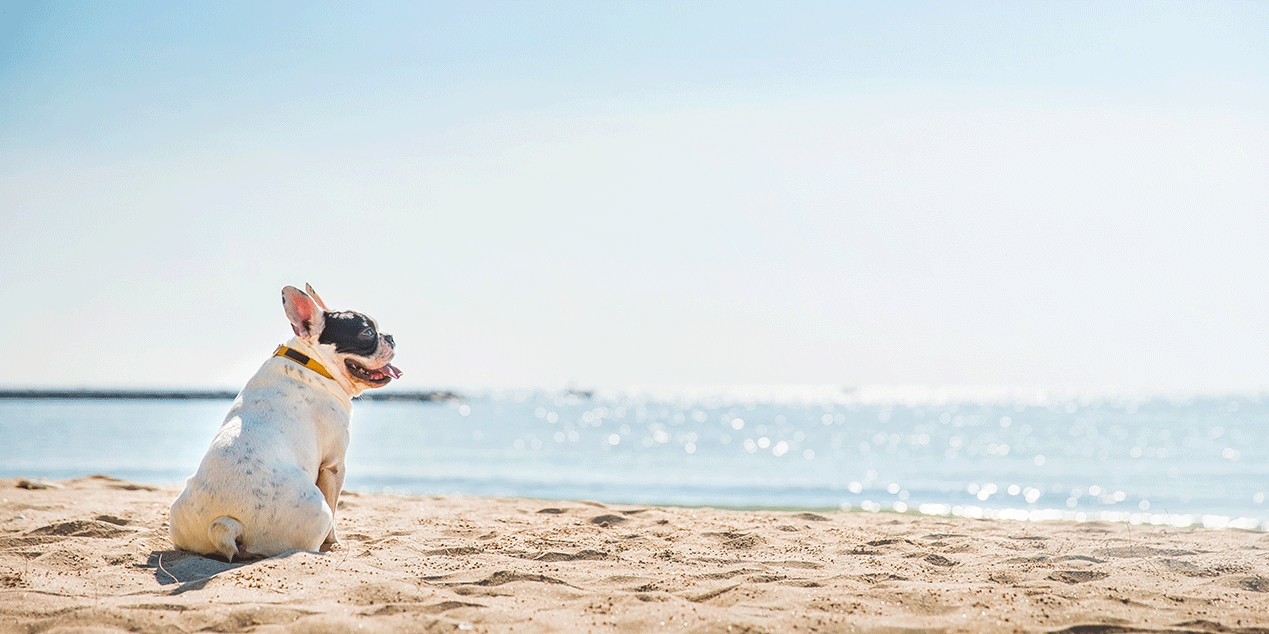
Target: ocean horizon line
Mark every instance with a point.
(863, 395)
(196, 395)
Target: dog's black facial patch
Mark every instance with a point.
(351, 332)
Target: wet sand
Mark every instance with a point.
(94, 556)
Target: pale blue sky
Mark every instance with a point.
(527, 194)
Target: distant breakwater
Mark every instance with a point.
(201, 395)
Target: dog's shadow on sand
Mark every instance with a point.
(188, 571)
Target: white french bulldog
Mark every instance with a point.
(271, 480)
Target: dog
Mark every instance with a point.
(270, 482)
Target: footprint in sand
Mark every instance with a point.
(1077, 576)
(81, 528)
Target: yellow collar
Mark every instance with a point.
(302, 359)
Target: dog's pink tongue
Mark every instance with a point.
(391, 370)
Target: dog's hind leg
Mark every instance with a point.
(224, 533)
(330, 480)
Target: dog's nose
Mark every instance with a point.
(391, 342)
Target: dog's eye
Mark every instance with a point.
(368, 333)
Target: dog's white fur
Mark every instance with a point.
(270, 481)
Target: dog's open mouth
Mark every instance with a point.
(377, 378)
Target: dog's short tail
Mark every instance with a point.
(224, 533)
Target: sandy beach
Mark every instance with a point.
(93, 556)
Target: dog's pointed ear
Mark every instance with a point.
(305, 315)
(308, 288)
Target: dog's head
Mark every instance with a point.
(348, 342)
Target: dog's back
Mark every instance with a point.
(255, 492)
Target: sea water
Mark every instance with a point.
(1191, 461)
